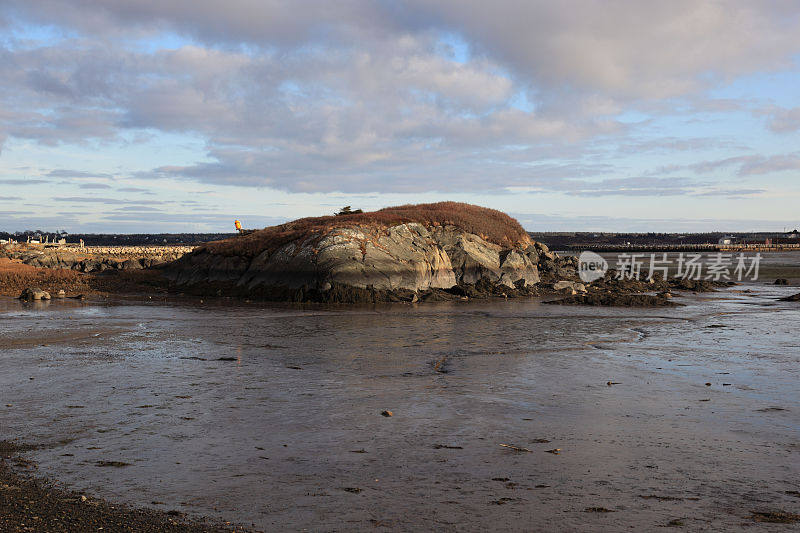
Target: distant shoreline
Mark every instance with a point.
(683, 248)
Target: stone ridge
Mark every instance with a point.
(407, 256)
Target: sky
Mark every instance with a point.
(139, 116)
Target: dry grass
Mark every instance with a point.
(15, 276)
(490, 224)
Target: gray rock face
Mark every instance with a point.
(406, 256)
(471, 257)
(34, 293)
(516, 266)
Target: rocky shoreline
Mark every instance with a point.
(98, 259)
(482, 271)
(428, 252)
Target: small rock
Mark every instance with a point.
(572, 287)
(61, 294)
(115, 464)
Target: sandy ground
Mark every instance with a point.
(271, 415)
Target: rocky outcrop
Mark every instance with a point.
(85, 263)
(402, 257)
(473, 259)
(611, 299)
(34, 293)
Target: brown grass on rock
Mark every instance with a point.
(490, 224)
(15, 276)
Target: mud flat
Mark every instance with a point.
(29, 503)
(507, 415)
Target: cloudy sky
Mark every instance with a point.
(181, 115)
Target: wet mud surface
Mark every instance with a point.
(505, 415)
(28, 503)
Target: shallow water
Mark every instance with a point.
(274, 433)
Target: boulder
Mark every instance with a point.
(130, 264)
(153, 262)
(91, 265)
(533, 254)
(506, 280)
(569, 286)
(516, 266)
(472, 258)
(34, 293)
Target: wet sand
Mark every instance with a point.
(271, 415)
(29, 503)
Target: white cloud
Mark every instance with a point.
(358, 96)
(784, 120)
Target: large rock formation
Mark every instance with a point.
(406, 256)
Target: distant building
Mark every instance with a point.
(793, 234)
(726, 241)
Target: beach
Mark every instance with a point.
(504, 413)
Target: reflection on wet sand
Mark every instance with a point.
(272, 414)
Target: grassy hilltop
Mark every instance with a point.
(491, 225)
